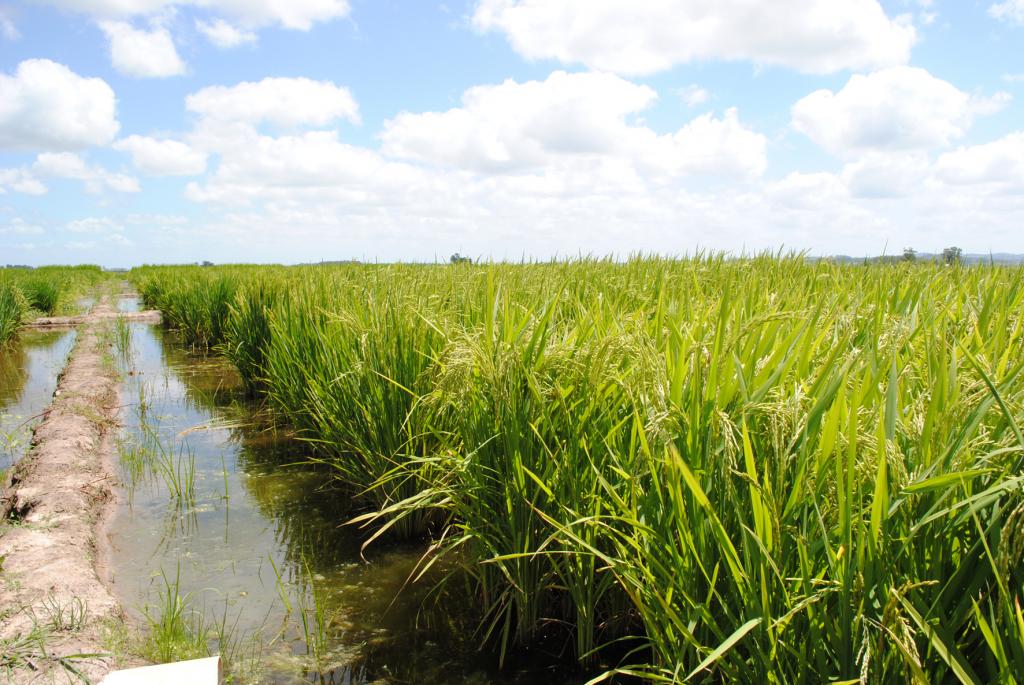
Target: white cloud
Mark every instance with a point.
(708, 145)
(895, 109)
(291, 14)
(224, 35)
(519, 125)
(815, 36)
(1011, 11)
(62, 165)
(284, 102)
(112, 239)
(519, 166)
(1000, 162)
(693, 95)
(881, 175)
(7, 28)
(45, 105)
(262, 167)
(540, 168)
(808, 191)
(1013, 78)
(94, 225)
(140, 53)
(516, 127)
(983, 106)
(111, 8)
(162, 157)
(19, 226)
(20, 181)
(98, 231)
(70, 166)
(310, 188)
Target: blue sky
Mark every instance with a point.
(142, 131)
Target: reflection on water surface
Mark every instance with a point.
(258, 515)
(29, 368)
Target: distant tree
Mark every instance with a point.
(952, 255)
(459, 259)
(206, 263)
(909, 254)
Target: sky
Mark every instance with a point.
(286, 131)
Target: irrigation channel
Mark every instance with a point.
(29, 368)
(225, 510)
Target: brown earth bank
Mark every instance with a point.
(97, 314)
(54, 607)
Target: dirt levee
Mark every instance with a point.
(52, 504)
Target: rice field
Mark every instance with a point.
(751, 470)
(45, 291)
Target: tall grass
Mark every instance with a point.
(12, 310)
(198, 305)
(25, 293)
(43, 293)
(751, 470)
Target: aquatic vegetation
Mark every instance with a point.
(176, 631)
(315, 622)
(122, 334)
(744, 470)
(177, 470)
(151, 457)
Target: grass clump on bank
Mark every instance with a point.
(763, 469)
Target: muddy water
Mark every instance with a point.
(259, 546)
(29, 368)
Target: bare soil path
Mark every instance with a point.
(53, 602)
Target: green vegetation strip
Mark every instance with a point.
(755, 470)
(28, 293)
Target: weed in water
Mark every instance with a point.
(175, 632)
(177, 470)
(241, 654)
(314, 621)
(122, 334)
(224, 471)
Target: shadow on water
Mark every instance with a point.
(29, 369)
(260, 540)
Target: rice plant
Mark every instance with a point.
(175, 631)
(122, 334)
(47, 290)
(745, 470)
(43, 293)
(12, 310)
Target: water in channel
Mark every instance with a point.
(258, 545)
(128, 304)
(30, 366)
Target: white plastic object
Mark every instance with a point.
(196, 672)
